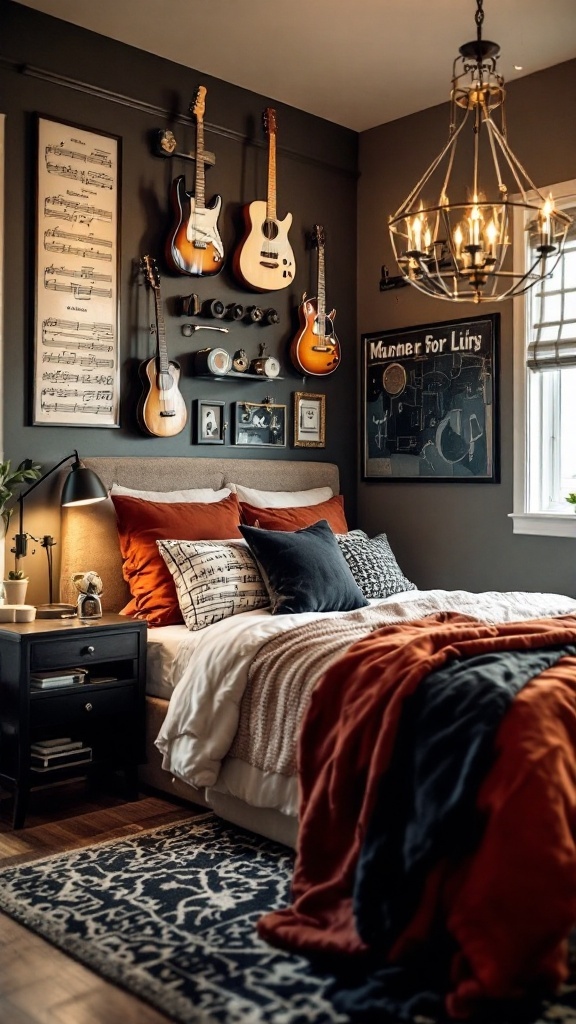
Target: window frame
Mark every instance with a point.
(543, 524)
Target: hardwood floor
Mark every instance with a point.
(38, 983)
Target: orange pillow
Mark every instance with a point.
(296, 518)
(141, 523)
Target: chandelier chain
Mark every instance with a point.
(479, 18)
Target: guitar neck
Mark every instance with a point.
(271, 201)
(321, 289)
(161, 350)
(199, 189)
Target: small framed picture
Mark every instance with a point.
(309, 420)
(261, 423)
(210, 423)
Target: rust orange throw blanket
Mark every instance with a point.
(510, 905)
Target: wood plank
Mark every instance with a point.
(39, 983)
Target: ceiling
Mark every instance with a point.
(358, 63)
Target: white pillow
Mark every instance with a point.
(203, 494)
(282, 499)
(213, 579)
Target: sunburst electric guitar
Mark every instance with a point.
(162, 410)
(194, 245)
(316, 349)
(264, 261)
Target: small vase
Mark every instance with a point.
(15, 591)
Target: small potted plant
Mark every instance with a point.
(10, 482)
(572, 499)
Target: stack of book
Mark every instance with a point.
(46, 755)
(57, 678)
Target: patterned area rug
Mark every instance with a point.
(170, 915)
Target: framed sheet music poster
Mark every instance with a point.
(76, 364)
(431, 402)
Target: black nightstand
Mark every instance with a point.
(105, 712)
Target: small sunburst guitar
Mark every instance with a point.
(194, 245)
(264, 261)
(161, 410)
(315, 349)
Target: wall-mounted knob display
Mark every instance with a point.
(265, 366)
(254, 314)
(188, 305)
(271, 316)
(234, 311)
(213, 307)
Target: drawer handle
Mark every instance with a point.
(89, 650)
(88, 706)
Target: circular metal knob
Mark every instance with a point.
(88, 706)
(90, 649)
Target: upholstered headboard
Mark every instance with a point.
(89, 536)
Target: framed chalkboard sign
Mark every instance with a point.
(430, 402)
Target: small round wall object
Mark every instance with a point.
(240, 361)
(212, 360)
(265, 366)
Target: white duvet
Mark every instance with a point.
(203, 712)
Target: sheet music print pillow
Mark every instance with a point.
(213, 579)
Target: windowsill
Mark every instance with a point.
(544, 524)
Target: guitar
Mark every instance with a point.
(194, 245)
(264, 260)
(316, 349)
(161, 410)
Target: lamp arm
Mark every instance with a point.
(20, 546)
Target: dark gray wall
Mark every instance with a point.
(107, 86)
(458, 535)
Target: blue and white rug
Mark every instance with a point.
(171, 915)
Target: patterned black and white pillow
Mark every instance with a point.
(372, 564)
(213, 579)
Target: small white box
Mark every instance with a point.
(8, 613)
(24, 613)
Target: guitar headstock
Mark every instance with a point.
(199, 106)
(269, 121)
(150, 268)
(318, 236)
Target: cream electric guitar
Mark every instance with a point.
(194, 245)
(264, 260)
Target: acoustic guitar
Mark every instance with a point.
(161, 410)
(194, 245)
(264, 261)
(315, 349)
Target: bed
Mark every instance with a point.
(228, 704)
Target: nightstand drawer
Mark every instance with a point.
(83, 649)
(78, 708)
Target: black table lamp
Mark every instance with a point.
(81, 487)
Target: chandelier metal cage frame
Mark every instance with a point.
(460, 250)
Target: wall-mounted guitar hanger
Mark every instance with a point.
(164, 144)
(387, 283)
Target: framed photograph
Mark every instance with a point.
(260, 423)
(76, 360)
(430, 402)
(309, 420)
(210, 424)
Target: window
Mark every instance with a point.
(545, 386)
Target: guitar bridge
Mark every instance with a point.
(267, 263)
(171, 413)
(199, 245)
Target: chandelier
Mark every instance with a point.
(458, 247)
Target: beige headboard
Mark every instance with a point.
(89, 537)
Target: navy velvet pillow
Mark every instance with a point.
(304, 570)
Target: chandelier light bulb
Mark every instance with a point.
(459, 250)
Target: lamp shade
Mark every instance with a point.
(82, 487)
